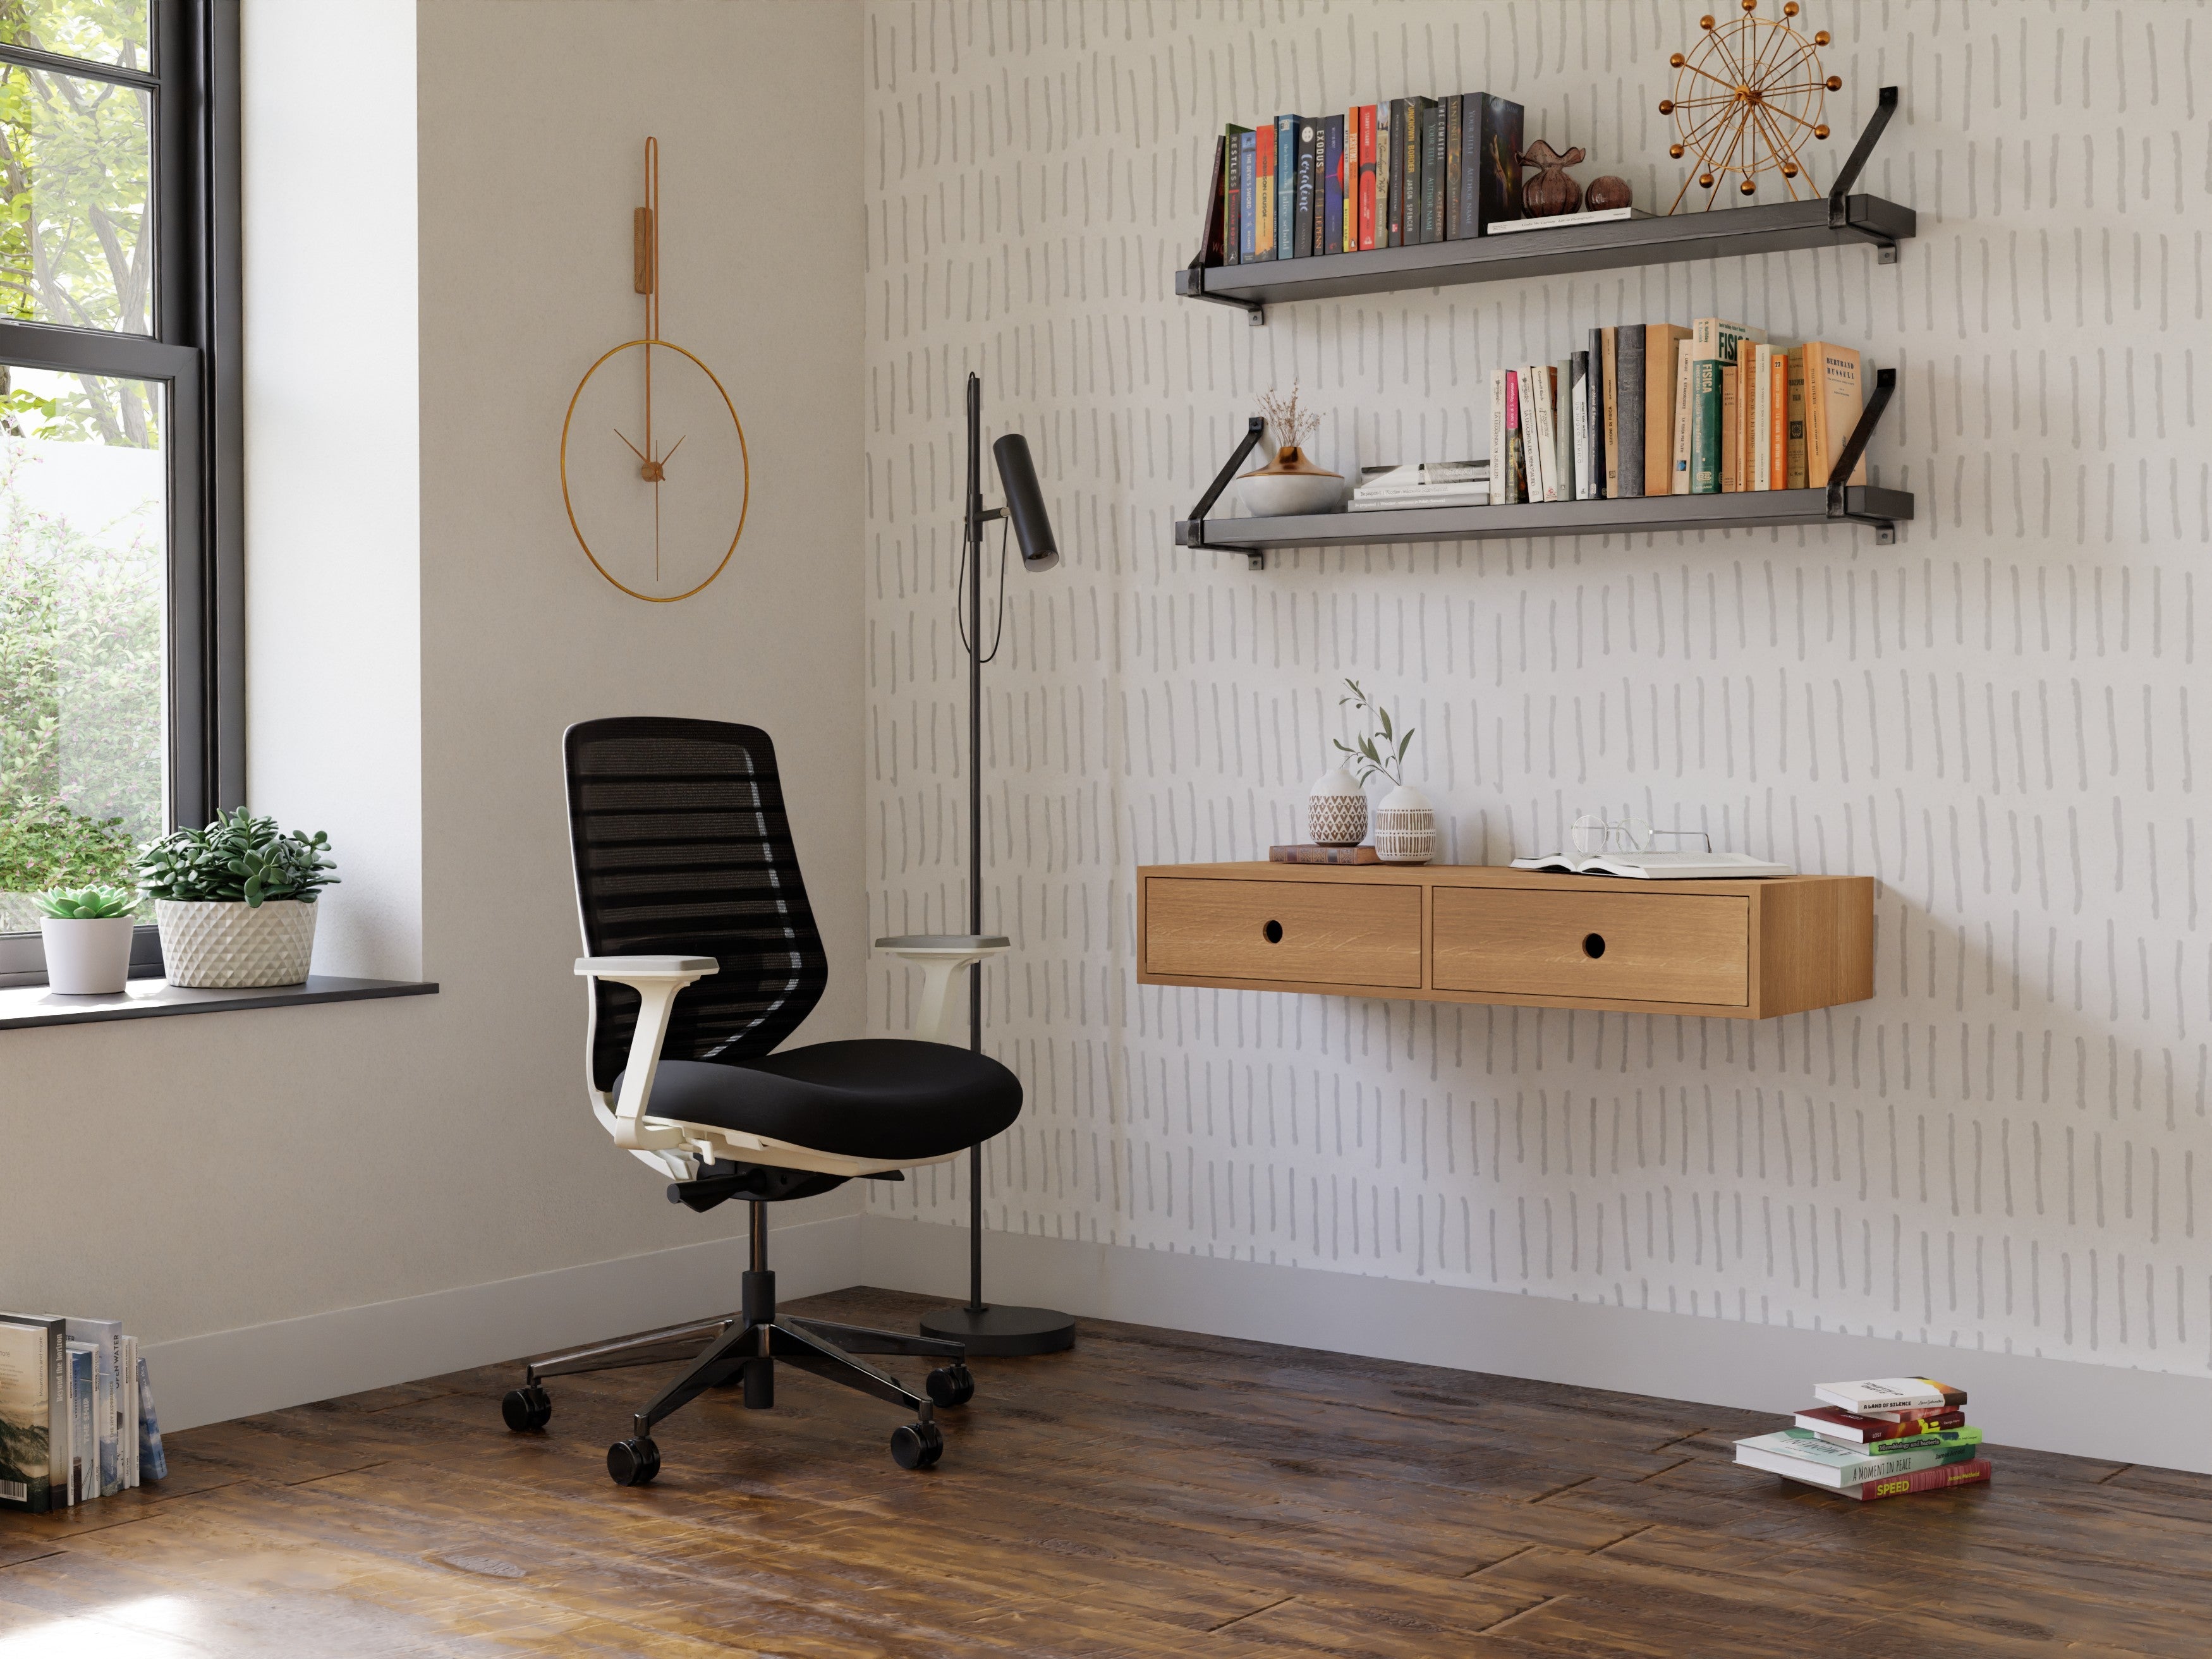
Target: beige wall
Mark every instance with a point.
(197, 1175)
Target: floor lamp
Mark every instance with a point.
(987, 1328)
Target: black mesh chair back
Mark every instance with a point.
(682, 849)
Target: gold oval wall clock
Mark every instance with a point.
(655, 470)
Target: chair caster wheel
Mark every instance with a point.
(633, 1462)
(953, 1384)
(917, 1445)
(527, 1409)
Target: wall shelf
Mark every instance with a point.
(1838, 220)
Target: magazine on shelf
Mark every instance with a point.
(1658, 866)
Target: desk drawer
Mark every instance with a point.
(1603, 945)
(1310, 933)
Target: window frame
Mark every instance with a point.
(193, 352)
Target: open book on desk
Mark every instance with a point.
(1658, 866)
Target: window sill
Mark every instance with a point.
(25, 1006)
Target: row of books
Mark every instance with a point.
(1654, 409)
(1394, 174)
(1879, 1439)
(76, 1412)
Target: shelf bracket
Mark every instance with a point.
(1191, 284)
(1839, 193)
(1253, 426)
(1885, 388)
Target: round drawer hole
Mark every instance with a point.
(1593, 946)
(1272, 932)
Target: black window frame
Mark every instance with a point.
(194, 351)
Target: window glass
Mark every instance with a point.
(98, 31)
(84, 535)
(75, 164)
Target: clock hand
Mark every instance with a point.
(632, 447)
(677, 444)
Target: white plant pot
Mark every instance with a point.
(226, 944)
(87, 958)
(1405, 827)
(1336, 810)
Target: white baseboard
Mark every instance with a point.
(289, 1362)
(2048, 1405)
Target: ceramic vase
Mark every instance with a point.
(1405, 827)
(86, 957)
(1289, 486)
(1336, 810)
(226, 944)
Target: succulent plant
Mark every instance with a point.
(237, 858)
(88, 904)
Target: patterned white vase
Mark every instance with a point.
(226, 944)
(1405, 827)
(1336, 810)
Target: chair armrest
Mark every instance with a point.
(628, 970)
(656, 980)
(917, 945)
(939, 956)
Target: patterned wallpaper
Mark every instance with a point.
(1997, 718)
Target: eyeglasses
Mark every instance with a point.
(1594, 834)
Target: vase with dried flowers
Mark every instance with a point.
(1289, 485)
(1405, 823)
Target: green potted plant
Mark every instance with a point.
(236, 901)
(87, 940)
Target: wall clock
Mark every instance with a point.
(655, 470)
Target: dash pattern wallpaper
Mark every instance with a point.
(1999, 718)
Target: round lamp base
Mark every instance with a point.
(1002, 1331)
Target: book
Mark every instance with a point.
(106, 1336)
(1547, 431)
(1286, 187)
(1323, 855)
(1367, 153)
(1965, 1439)
(1561, 220)
(1248, 198)
(1386, 120)
(1435, 495)
(1705, 425)
(1411, 151)
(1803, 1455)
(1760, 428)
(1777, 427)
(1629, 470)
(1416, 473)
(1716, 337)
(1833, 398)
(28, 1348)
(1751, 374)
(1516, 455)
(1683, 364)
(1834, 1423)
(1583, 490)
(1332, 173)
(1215, 240)
(1595, 430)
(1796, 474)
(1658, 866)
(1491, 136)
(1731, 430)
(1237, 217)
(1660, 342)
(152, 1464)
(1499, 490)
(1434, 176)
(1455, 146)
(1302, 182)
(129, 1380)
(1263, 192)
(1891, 1393)
(1394, 208)
(83, 1463)
(1973, 1471)
(1563, 383)
(1609, 409)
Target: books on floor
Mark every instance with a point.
(1426, 483)
(1881, 1439)
(76, 1412)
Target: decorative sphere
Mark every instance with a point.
(1751, 5)
(1821, 38)
(1706, 22)
(1790, 169)
(1706, 180)
(1748, 186)
(1606, 192)
(1675, 150)
(1666, 107)
(1835, 83)
(1791, 10)
(1821, 132)
(1676, 60)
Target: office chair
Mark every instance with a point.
(702, 956)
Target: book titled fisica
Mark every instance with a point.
(1888, 1394)
(1800, 1454)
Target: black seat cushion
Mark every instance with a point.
(887, 1098)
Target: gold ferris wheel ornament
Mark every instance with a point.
(655, 470)
(1746, 96)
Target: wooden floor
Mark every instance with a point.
(1150, 1493)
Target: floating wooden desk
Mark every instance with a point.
(1736, 949)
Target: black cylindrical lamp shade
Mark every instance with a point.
(1026, 502)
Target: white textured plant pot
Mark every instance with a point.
(87, 958)
(1336, 810)
(225, 944)
(1405, 827)
(1289, 494)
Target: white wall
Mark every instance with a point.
(411, 671)
(2000, 717)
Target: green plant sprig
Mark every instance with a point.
(87, 903)
(237, 858)
(1380, 752)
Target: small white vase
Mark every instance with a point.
(1289, 486)
(86, 957)
(226, 944)
(1336, 810)
(1405, 827)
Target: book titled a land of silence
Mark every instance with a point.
(1848, 1428)
(1658, 866)
(1890, 1396)
(1323, 855)
(1562, 221)
(1801, 1455)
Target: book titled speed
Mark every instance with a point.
(1973, 1471)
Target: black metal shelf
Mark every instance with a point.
(1777, 227)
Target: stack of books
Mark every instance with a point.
(1657, 408)
(1394, 174)
(1880, 1439)
(1426, 484)
(76, 1412)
